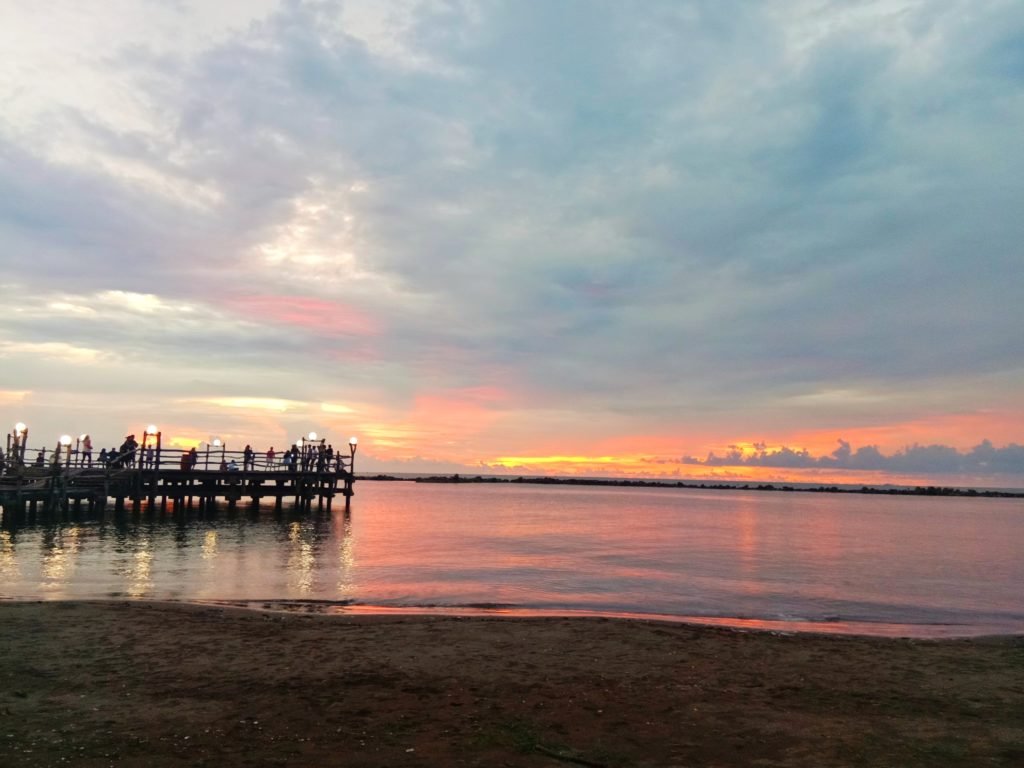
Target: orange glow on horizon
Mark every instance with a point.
(960, 430)
(668, 469)
(482, 430)
(184, 443)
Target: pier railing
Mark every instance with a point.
(170, 458)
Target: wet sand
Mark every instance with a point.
(156, 684)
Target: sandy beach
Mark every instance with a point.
(157, 684)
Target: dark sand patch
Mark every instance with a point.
(100, 684)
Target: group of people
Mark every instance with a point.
(82, 455)
(318, 456)
(128, 455)
(310, 457)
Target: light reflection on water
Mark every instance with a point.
(837, 559)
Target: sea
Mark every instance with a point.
(846, 563)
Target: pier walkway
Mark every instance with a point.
(60, 487)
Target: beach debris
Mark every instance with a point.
(565, 757)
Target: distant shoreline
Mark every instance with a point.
(930, 490)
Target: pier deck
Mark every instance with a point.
(56, 489)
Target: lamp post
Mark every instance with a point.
(20, 439)
(152, 435)
(217, 443)
(353, 443)
(65, 447)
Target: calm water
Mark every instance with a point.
(886, 565)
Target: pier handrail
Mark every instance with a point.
(164, 459)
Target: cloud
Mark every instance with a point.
(276, 404)
(52, 350)
(675, 216)
(13, 396)
(982, 459)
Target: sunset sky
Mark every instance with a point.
(719, 239)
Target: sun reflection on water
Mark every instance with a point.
(210, 545)
(347, 587)
(301, 560)
(141, 573)
(59, 559)
(9, 567)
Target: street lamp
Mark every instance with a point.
(215, 442)
(65, 444)
(152, 435)
(312, 437)
(218, 443)
(353, 443)
(20, 439)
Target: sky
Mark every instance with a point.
(700, 240)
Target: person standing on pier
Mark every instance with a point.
(128, 448)
(270, 457)
(248, 459)
(193, 457)
(87, 451)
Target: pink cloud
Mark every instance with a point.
(327, 318)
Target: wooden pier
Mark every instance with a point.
(60, 488)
